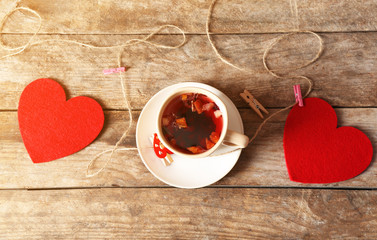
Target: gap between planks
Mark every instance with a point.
(187, 33)
(209, 187)
(239, 108)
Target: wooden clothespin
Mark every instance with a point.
(254, 104)
(298, 96)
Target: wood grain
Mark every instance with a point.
(261, 164)
(215, 213)
(235, 16)
(345, 75)
(134, 204)
(255, 200)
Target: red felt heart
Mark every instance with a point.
(52, 127)
(316, 151)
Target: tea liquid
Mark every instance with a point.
(192, 123)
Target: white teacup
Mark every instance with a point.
(227, 137)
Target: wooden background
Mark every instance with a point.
(256, 199)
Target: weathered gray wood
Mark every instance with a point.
(188, 214)
(99, 17)
(345, 74)
(261, 164)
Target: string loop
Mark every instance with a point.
(121, 47)
(19, 49)
(265, 64)
(130, 42)
(146, 40)
(282, 37)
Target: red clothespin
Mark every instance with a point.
(298, 96)
(161, 151)
(253, 102)
(114, 70)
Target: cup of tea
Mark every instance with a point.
(193, 122)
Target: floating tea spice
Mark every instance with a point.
(192, 123)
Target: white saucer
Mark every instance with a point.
(183, 172)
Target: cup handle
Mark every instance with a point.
(235, 139)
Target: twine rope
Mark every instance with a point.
(266, 66)
(130, 42)
(121, 47)
(146, 40)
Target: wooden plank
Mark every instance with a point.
(345, 74)
(215, 213)
(261, 164)
(107, 16)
